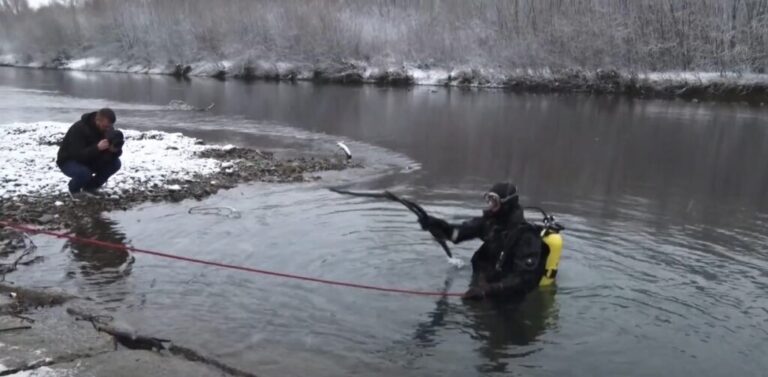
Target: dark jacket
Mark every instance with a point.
(512, 258)
(80, 144)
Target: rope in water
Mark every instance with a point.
(115, 246)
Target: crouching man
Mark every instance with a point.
(90, 152)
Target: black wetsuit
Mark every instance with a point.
(512, 258)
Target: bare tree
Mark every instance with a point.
(14, 7)
(725, 35)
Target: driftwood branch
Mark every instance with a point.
(131, 340)
(10, 267)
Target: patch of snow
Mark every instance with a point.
(115, 65)
(17, 61)
(41, 372)
(228, 147)
(173, 187)
(8, 59)
(178, 104)
(429, 76)
(370, 72)
(705, 77)
(158, 70)
(266, 68)
(29, 167)
(35, 64)
(285, 68)
(202, 68)
(305, 73)
(83, 64)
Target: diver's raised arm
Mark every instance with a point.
(456, 233)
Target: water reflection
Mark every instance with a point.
(507, 330)
(102, 272)
(503, 330)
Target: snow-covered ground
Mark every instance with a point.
(150, 159)
(83, 64)
(707, 77)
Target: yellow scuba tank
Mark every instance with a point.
(555, 243)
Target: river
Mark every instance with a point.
(664, 269)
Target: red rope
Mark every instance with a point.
(115, 246)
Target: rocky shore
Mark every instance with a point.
(240, 165)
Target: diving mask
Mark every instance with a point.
(494, 202)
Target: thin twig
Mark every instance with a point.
(8, 268)
(21, 317)
(25, 327)
(31, 242)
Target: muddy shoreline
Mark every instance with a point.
(724, 87)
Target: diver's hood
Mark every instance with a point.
(505, 194)
(504, 190)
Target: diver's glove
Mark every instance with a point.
(433, 223)
(474, 293)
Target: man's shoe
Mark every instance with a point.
(93, 194)
(75, 196)
(83, 194)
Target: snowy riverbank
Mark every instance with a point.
(751, 88)
(156, 166)
(151, 159)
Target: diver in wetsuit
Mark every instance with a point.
(511, 261)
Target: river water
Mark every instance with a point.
(664, 271)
